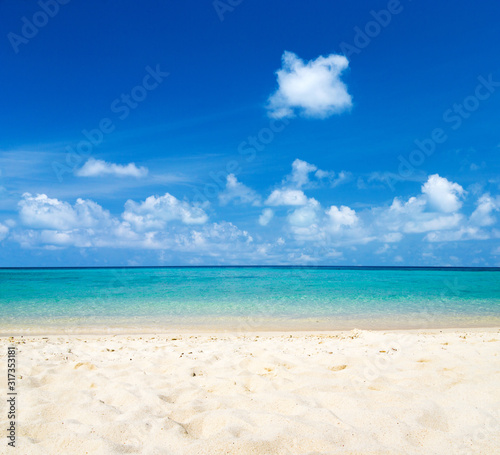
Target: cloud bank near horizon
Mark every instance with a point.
(289, 226)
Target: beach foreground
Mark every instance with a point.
(357, 392)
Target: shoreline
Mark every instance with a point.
(241, 325)
(260, 333)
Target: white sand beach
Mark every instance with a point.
(356, 392)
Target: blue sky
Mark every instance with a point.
(238, 132)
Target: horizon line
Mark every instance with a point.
(251, 266)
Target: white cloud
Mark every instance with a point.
(443, 195)
(342, 217)
(265, 217)
(334, 226)
(392, 237)
(300, 173)
(97, 168)
(156, 211)
(4, 230)
(238, 192)
(162, 223)
(341, 178)
(482, 215)
(304, 222)
(307, 175)
(383, 249)
(305, 227)
(40, 211)
(43, 212)
(428, 222)
(436, 213)
(464, 233)
(475, 227)
(224, 235)
(306, 215)
(411, 217)
(86, 223)
(314, 89)
(286, 197)
(433, 210)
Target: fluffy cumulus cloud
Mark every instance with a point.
(311, 89)
(290, 226)
(305, 216)
(224, 234)
(341, 217)
(312, 223)
(436, 212)
(99, 168)
(434, 215)
(236, 192)
(286, 197)
(304, 222)
(85, 223)
(42, 212)
(443, 195)
(156, 211)
(412, 216)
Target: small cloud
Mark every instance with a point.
(305, 216)
(4, 230)
(483, 214)
(442, 194)
(383, 249)
(392, 237)
(266, 217)
(98, 168)
(314, 89)
(287, 197)
(342, 177)
(238, 192)
(156, 211)
(464, 233)
(307, 175)
(300, 173)
(340, 217)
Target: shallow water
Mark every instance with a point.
(335, 298)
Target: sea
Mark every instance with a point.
(80, 300)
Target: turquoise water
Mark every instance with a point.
(306, 296)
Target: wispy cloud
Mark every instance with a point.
(307, 175)
(266, 216)
(4, 230)
(237, 192)
(99, 168)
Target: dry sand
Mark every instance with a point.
(358, 392)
